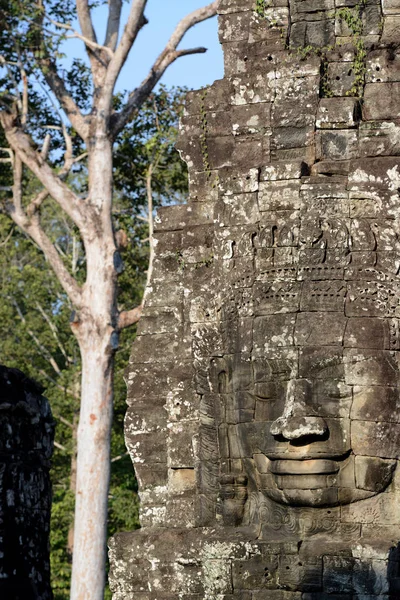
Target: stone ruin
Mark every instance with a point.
(264, 407)
(26, 446)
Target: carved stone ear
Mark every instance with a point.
(233, 495)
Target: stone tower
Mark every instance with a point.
(264, 403)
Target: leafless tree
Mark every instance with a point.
(97, 321)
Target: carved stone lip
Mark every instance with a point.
(316, 466)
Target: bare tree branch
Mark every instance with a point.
(99, 59)
(42, 349)
(57, 86)
(45, 146)
(75, 34)
(85, 20)
(36, 203)
(129, 317)
(17, 184)
(165, 59)
(132, 28)
(21, 143)
(113, 23)
(117, 458)
(5, 242)
(24, 78)
(65, 421)
(62, 389)
(60, 446)
(54, 330)
(33, 228)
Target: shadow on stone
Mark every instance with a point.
(26, 445)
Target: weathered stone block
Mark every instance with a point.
(382, 66)
(160, 320)
(182, 215)
(340, 78)
(390, 33)
(138, 421)
(373, 473)
(238, 183)
(202, 186)
(305, 576)
(327, 296)
(380, 101)
(370, 367)
(372, 20)
(320, 33)
(376, 403)
(228, 6)
(181, 438)
(331, 167)
(161, 347)
(304, 90)
(279, 195)
(320, 329)
(180, 512)
(236, 58)
(337, 145)
(291, 137)
(380, 139)
(378, 510)
(249, 152)
(271, 27)
(376, 335)
(151, 475)
(240, 209)
(250, 119)
(251, 89)
(142, 449)
(283, 170)
(368, 439)
(337, 113)
(234, 27)
(338, 574)
(390, 7)
(219, 152)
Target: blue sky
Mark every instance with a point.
(191, 71)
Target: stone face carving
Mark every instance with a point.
(264, 409)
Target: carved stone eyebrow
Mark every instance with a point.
(325, 363)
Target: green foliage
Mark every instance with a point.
(353, 19)
(259, 8)
(149, 140)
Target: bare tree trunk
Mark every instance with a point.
(95, 329)
(93, 471)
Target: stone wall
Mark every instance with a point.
(26, 445)
(263, 387)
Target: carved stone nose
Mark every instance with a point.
(296, 427)
(298, 419)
